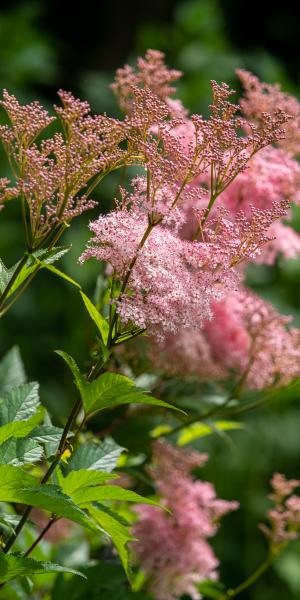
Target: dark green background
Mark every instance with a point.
(51, 44)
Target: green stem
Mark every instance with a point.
(125, 282)
(61, 448)
(250, 580)
(51, 522)
(29, 279)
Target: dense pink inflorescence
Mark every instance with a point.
(284, 517)
(246, 338)
(171, 282)
(172, 548)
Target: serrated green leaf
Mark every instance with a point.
(109, 492)
(40, 258)
(96, 316)
(109, 390)
(78, 377)
(12, 566)
(118, 532)
(11, 370)
(77, 481)
(113, 389)
(20, 451)
(19, 403)
(19, 486)
(198, 430)
(95, 456)
(46, 434)
(20, 429)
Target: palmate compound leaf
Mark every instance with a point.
(12, 372)
(95, 456)
(18, 486)
(12, 566)
(109, 390)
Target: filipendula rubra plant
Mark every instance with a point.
(211, 199)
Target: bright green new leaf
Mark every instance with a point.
(96, 316)
(19, 486)
(113, 389)
(108, 492)
(12, 566)
(198, 430)
(109, 390)
(77, 481)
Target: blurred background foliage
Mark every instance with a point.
(50, 44)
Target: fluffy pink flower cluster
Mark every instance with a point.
(285, 516)
(172, 548)
(246, 338)
(171, 282)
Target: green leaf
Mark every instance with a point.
(106, 580)
(78, 377)
(96, 316)
(19, 403)
(38, 258)
(95, 456)
(109, 390)
(113, 389)
(198, 430)
(19, 452)
(211, 589)
(12, 566)
(61, 274)
(76, 481)
(45, 434)
(109, 492)
(19, 486)
(118, 532)
(11, 370)
(20, 429)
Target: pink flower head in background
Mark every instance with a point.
(172, 548)
(284, 518)
(246, 339)
(260, 98)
